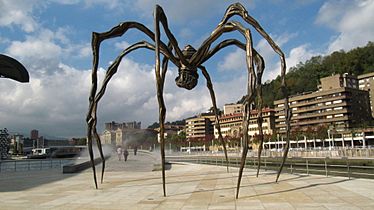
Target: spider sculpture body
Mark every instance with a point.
(189, 61)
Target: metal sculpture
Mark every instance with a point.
(188, 61)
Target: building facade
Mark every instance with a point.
(200, 128)
(232, 122)
(115, 133)
(34, 134)
(338, 105)
(366, 82)
(112, 126)
(108, 137)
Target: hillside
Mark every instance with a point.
(305, 76)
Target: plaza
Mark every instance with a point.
(133, 185)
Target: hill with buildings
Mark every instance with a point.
(305, 77)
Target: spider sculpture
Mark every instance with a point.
(189, 61)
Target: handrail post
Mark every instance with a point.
(265, 163)
(291, 166)
(326, 166)
(348, 167)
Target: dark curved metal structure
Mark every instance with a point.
(189, 61)
(12, 69)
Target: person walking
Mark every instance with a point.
(125, 154)
(119, 153)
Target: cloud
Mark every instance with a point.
(234, 61)
(352, 20)
(296, 55)
(36, 53)
(121, 45)
(19, 13)
(57, 103)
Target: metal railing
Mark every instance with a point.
(34, 164)
(347, 167)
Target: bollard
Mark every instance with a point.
(307, 167)
(15, 165)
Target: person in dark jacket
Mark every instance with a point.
(125, 154)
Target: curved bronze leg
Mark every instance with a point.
(214, 103)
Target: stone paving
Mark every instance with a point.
(189, 186)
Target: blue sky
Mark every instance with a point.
(52, 39)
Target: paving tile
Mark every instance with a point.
(189, 186)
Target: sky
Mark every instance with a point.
(51, 38)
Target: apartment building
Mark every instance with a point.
(233, 108)
(112, 126)
(366, 82)
(200, 127)
(115, 133)
(338, 104)
(231, 122)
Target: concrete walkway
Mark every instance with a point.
(189, 186)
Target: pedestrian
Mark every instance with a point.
(135, 150)
(125, 154)
(119, 153)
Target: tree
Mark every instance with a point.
(321, 133)
(4, 143)
(305, 77)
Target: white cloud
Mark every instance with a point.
(57, 103)
(234, 61)
(121, 45)
(298, 54)
(19, 12)
(352, 20)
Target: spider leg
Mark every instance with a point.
(97, 38)
(199, 57)
(238, 9)
(160, 17)
(213, 97)
(92, 114)
(260, 66)
(260, 69)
